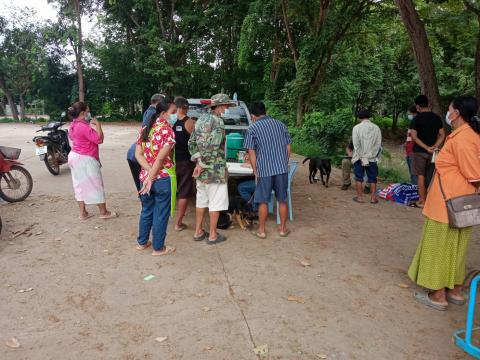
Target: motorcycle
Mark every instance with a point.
(15, 181)
(54, 148)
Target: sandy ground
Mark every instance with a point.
(90, 299)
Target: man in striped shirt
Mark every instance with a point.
(268, 144)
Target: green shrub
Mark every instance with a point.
(392, 174)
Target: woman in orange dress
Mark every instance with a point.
(439, 263)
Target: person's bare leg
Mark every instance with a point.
(373, 192)
(83, 210)
(181, 210)
(262, 217)
(283, 209)
(103, 209)
(214, 215)
(359, 187)
(439, 297)
(422, 191)
(199, 217)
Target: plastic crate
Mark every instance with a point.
(10, 153)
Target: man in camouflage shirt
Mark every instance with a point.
(207, 146)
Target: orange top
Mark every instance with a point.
(458, 165)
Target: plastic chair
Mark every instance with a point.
(463, 337)
(292, 168)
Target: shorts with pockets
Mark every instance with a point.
(265, 185)
(371, 170)
(212, 196)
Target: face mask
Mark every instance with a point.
(410, 117)
(172, 119)
(88, 117)
(447, 119)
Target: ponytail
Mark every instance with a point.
(467, 106)
(162, 106)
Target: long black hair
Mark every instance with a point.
(162, 106)
(467, 106)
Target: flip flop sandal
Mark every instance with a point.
(181, 228)
(423, 298)
(219, 239)
(260, 236)
(168, 250)
(374, 202)
(201, 237)
(355, 199)
(112, 215)
(144, 246)
(285, 234)
(454, 301)
(85, 218)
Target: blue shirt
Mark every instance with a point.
(269, 138)
(146, 116)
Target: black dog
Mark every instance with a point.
(316, 164)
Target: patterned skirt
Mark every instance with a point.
(440, 258)
(87, 178)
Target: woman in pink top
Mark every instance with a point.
(84, 161)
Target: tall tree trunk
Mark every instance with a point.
(22, 107)
(8, 95)
(79, 51)
(300, 110)
(423, 53)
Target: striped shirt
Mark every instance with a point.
(269, 138)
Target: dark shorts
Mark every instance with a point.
(265, 185)
(185, 182)
(420, 163)
(371, 170)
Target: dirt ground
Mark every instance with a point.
(89, 299)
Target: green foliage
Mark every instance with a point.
(324, 133)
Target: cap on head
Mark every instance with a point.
(220, 99)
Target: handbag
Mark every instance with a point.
(463, 211)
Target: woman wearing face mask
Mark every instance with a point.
(153, 152)
(84, 161)
(439, 263)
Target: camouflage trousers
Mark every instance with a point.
(346, 170)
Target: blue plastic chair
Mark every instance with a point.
(292, 168)
(463, 337)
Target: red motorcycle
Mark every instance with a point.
(15, 181)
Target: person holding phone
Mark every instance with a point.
(84, 161)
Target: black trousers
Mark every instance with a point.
(135, 170)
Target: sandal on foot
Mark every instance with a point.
(167, 250)
(202, 237)
(181, 228)
(357, 200)
(259, 235)
(284, 234)
(144, 246)
(374, 201)
(86, 217)
(423, 298)
(455, 301)
(112, 215)
(219, 239)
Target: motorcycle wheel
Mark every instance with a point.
(16, 184)
(51, 162)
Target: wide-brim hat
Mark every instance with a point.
(220, 99)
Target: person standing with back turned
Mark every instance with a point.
(428, 134)
(268, 143)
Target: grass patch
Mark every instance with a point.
(392, 174)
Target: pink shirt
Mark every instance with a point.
(85, 138)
